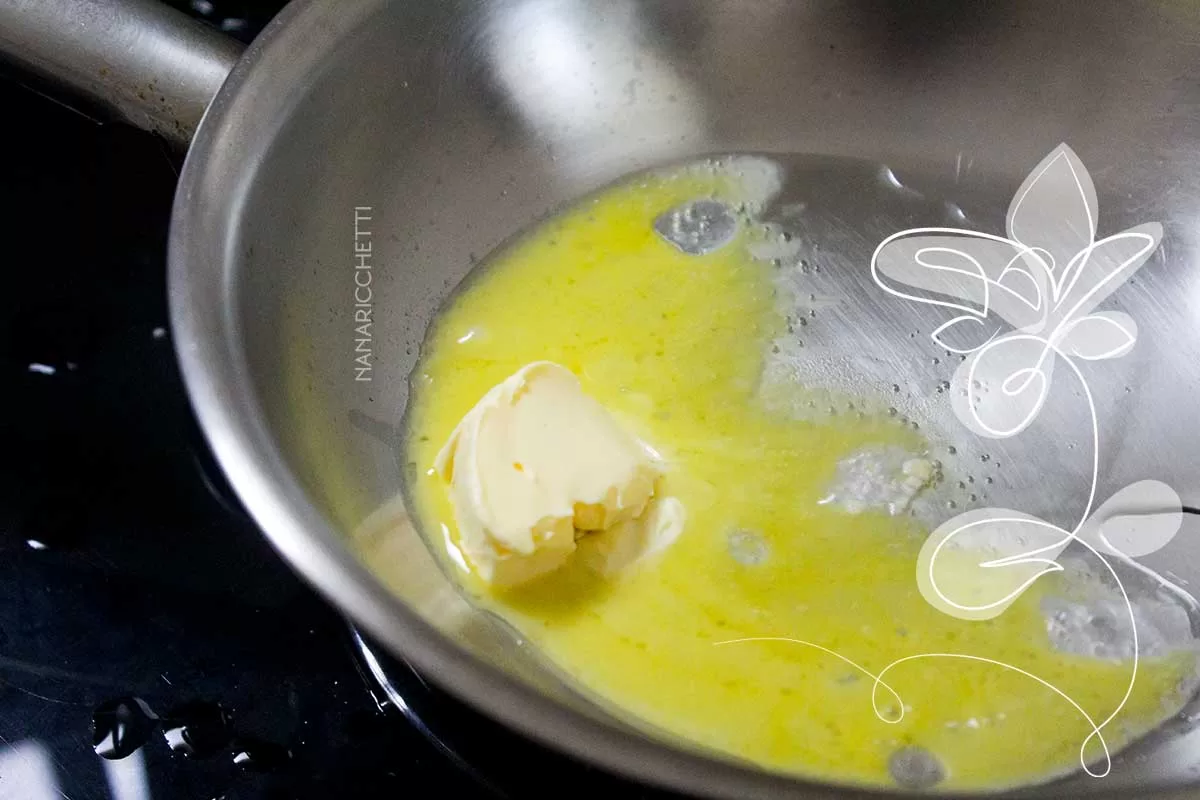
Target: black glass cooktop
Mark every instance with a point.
(152, 645)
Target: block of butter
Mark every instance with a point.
(536, 464)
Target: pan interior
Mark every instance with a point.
(431, 133)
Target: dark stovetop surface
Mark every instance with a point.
(140, 604)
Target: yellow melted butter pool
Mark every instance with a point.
(674, 345)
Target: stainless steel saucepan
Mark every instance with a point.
(354, 162)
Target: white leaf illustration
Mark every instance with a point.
(1054, 211)
(965, 333)
(986, 273)
(1138, 520)
(1099, 270)
(999, 389)
(1105, 334)
(976, 564)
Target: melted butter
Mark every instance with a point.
(673, 345)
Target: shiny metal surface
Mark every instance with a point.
(429, 133)
(150, 64)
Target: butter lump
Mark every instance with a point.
(618, 548)
(536, 464)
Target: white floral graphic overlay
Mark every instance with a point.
(1044, 280)
(1022, 303)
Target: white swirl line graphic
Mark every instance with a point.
(1018, 278)
(878, 681)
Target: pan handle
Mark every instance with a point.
(151, 65)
